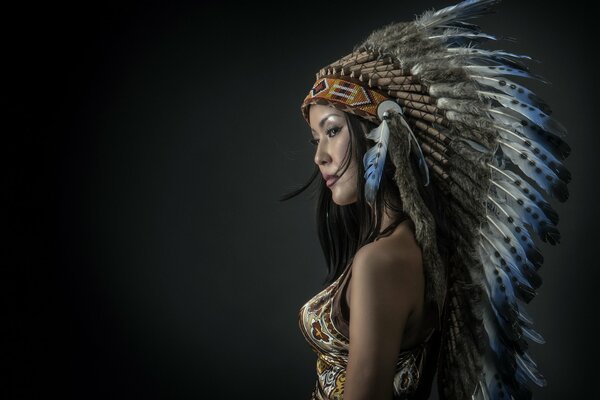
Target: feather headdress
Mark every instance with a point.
(491, 147)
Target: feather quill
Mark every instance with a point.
(416, 148)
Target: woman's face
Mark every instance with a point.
(331, 138)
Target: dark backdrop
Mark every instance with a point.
(147, 253)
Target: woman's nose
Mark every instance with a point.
(321, 154)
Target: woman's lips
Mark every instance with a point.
(331, 181)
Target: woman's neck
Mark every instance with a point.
(388, 218)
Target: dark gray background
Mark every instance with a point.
(149, 255)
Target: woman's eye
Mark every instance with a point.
(330, 133)
(333, 130)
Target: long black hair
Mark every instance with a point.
(344, 229)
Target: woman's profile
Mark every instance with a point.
(435, 167)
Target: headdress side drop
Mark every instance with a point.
(494, 152)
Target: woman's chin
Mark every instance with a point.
(343, 200)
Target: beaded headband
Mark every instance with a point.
(345, 95)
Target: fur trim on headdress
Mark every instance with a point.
(413, 204)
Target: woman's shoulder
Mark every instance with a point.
(398, 249)
(389, 273)
(393, 262)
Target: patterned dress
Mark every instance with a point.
(326, 331)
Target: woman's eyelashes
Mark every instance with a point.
(331, 132)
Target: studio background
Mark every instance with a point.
(148, 144)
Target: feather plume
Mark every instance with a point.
(533, 131)
(529, 111)
(511, 88)
(374, 160)
(493, 56)
(459, 12)
(501, 69)
(533, 168)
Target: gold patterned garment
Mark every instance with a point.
(326, 331)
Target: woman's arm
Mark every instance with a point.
(385, 288)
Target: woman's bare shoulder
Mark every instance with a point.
(394, 263)
(400, 248)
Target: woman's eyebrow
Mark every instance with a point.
(323, 120)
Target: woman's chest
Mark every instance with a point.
(318, 326)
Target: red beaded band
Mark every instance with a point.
(346, 96)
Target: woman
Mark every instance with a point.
(385, 285)
(424, 214)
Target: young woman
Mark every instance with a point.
(425, 217)
(383, 287)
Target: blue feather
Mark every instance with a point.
(508, 360)
(542, 155)
(489, 57)
(531, 166)
(529, 111)
(501, 262)
(523, 209)
(503, 297)
(457, 38)
(532, 131)
(374, 160)
(507, 194)
(513, 89)
(501, 69)
(521, 189)
(504, 212)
